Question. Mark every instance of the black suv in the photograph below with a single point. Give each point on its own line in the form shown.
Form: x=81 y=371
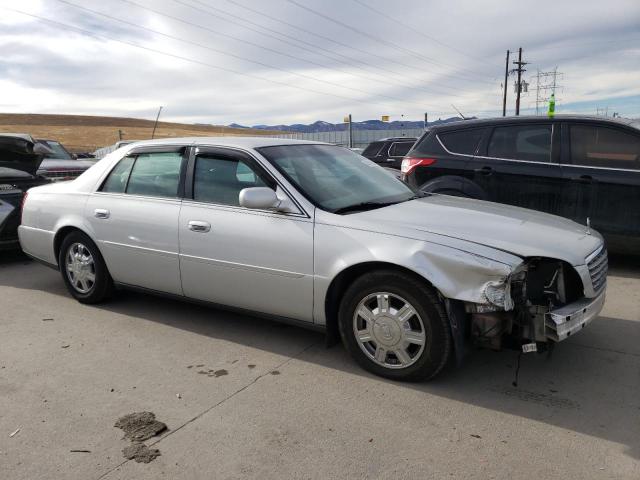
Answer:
x=389 y=152
x=583 y=168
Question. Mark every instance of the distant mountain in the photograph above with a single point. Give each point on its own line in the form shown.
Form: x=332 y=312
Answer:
x=321 y=126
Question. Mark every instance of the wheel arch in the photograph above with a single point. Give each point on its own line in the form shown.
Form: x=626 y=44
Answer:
x=346 y=277
x=456 y=183
x=65 y=230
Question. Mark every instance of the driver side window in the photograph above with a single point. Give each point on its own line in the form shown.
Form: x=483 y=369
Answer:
x=220 y=179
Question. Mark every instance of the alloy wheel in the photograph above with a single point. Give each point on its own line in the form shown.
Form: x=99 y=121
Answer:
x=389 y=330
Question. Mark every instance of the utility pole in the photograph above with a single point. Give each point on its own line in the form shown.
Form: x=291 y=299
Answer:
x=347 y=120
x=504 y=95
x=426 y=120
x=519 y=71
x=156 y=124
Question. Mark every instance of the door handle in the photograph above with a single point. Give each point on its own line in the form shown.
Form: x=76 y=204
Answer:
x=200 y=227
x=101 y=213
x=484 y=170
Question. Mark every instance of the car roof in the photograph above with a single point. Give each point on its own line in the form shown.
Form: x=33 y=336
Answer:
x=394 y=139
x=481 y=122
x=238 y=142
x=23 y=136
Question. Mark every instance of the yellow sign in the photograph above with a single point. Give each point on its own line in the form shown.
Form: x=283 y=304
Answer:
x=385 y=118
x=346 y=119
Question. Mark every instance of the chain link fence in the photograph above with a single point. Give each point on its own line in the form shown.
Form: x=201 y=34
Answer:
x=361 y=138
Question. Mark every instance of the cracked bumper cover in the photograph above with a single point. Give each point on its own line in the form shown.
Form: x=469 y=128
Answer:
x=567 y=320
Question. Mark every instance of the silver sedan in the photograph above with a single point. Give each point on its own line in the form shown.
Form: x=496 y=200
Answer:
x=315 y=234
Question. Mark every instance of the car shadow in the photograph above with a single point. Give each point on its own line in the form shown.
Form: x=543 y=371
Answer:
x=589 y=384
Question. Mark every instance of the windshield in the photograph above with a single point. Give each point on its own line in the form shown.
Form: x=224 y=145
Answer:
x=335 y=178
x=59 y=152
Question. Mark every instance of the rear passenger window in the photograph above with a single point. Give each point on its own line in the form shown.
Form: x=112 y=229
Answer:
x=604 y=147
x=462 y=141
x=400 y=149
x=523 y=142
x=156 y=174
x=117 y=180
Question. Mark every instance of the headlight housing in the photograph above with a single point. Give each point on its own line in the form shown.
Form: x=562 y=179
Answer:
x=499 y=294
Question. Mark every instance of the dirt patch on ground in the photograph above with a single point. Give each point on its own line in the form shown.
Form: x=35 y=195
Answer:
x=140 y=453
x=140 y=426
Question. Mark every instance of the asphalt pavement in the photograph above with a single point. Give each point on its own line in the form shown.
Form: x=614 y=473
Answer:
x=244 y=397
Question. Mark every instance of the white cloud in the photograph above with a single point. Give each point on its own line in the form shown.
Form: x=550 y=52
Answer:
x=48 y=68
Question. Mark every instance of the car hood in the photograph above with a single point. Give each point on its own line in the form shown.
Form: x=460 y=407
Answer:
x=519 y=231
x=16 y=153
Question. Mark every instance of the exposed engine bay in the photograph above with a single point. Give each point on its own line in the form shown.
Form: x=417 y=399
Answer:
x=542 y=302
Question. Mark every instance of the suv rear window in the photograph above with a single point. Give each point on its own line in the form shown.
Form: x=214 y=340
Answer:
x=604 y=147
x=400 y=149
x=462 y=141
x=521 y=142
x=373 y=149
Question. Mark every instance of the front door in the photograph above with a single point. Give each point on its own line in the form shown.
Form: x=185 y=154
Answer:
x=134 y=216
x=252 y=259
x=519 y=165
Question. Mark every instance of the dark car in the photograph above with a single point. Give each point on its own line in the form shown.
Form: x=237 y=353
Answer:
x=20 y=158
x=60 y=164
x=583 y=168
x=389 y=152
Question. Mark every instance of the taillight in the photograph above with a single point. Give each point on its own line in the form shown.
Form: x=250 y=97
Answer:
x=24 y=199
x=409 y=164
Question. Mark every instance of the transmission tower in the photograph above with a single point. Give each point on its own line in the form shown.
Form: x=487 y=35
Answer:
x=546 y=84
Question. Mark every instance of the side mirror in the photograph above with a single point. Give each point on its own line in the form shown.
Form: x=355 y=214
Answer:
x=263 y=198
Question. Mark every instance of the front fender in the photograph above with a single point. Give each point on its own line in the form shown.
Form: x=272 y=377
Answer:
x=456 y=274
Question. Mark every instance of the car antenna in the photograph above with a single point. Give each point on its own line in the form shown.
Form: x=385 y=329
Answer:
x=459 y=112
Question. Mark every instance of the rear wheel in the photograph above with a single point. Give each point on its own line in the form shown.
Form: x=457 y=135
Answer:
x=395 y=326
x=83 y=269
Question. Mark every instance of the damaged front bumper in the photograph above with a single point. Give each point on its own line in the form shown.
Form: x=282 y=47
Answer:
x=563 y=322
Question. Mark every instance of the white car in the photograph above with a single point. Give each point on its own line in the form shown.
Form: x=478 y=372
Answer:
x=316 y=234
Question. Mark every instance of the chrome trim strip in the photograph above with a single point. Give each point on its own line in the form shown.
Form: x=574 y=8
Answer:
x=241 y=266
x=250 y=211
x=163 y=253
x=494 y=158
x=529 y=161
x=594 y=254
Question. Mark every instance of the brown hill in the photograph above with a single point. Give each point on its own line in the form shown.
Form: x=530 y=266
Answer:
x=83 y=133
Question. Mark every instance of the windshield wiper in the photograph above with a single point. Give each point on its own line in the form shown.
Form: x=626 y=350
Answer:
x=363 y=206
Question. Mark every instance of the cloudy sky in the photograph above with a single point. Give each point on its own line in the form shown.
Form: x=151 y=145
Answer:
x=289 y=61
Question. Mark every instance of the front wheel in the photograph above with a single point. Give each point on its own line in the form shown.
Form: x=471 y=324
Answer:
x=83 y=269
x=395 y=326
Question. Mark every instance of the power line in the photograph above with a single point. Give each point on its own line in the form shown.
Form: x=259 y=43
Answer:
x=315 y=46
x=262 y=47
x=415 y=30
x=378 y=39
x=296 y=43
x=186 y=59
x=290 y=72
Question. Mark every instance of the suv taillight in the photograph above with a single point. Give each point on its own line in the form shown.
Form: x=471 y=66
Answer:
x=409 y=164
x=24 y=200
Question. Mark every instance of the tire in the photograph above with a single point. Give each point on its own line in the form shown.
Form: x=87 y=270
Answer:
x=86 y=277
x=392 y=329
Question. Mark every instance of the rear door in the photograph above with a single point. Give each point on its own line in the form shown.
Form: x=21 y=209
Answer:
x=604 y=171
x=134 y=218
x=519 y=165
